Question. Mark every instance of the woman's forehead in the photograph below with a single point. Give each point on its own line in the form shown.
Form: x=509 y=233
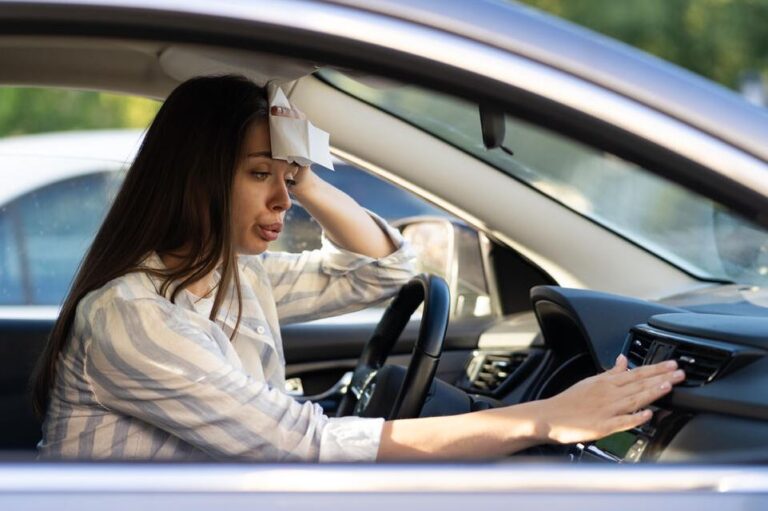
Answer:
x=257 y=139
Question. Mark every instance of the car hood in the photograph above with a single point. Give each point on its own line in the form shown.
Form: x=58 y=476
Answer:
x=735 y=299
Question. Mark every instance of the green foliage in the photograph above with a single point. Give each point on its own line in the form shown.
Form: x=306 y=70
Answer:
x=719 y=39
x=30 y=110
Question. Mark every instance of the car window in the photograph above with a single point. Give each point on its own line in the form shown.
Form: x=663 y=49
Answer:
x=694 y=233
x=49 y=215
x=61 y=184
x=61 y=153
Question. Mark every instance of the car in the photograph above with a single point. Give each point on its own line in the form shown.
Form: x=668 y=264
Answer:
x=607 y=202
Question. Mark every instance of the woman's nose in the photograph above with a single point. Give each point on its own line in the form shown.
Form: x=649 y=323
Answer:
x=281 y=199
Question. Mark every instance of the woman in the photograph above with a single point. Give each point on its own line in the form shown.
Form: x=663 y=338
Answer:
x=168 y=345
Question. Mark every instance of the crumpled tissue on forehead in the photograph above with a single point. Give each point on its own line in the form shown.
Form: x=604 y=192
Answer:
x=296 y=140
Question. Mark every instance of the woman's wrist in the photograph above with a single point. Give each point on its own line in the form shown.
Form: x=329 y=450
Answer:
x=541 y=414
x=520 y=426
x=307 y=186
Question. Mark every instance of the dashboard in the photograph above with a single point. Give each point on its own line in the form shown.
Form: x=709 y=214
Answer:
x=718 y=414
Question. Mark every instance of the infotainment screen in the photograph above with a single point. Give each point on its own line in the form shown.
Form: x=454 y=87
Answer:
x=626 y=446
x=617 y=444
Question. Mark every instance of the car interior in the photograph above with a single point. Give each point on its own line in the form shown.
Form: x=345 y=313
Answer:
x=539 y=294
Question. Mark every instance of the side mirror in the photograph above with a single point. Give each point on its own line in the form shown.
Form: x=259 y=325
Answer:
x=457 y=253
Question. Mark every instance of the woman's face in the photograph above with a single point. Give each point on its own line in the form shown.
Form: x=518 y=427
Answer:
x=259 y=192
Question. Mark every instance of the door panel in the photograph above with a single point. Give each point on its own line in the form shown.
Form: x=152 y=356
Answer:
x=21 y=342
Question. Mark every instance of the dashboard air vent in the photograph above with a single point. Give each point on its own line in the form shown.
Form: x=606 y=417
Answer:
x=701 y=361
x=701 y=364
x=486 y=371
x=639 y=347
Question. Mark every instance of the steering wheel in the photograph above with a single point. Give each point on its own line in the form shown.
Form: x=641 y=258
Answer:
x=374 y=385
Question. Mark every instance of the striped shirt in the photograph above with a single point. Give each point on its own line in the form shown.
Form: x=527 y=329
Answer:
x=144 y=378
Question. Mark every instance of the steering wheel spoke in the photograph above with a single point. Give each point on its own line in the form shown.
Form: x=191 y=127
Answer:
x=414 y=385
x=360 y=378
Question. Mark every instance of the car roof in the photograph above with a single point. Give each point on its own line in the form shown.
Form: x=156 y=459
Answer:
x=38 y=160
x=118 y=145
x=594 y=57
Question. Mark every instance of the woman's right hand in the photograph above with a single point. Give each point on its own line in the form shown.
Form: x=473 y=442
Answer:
x=605 y=403
x=591 y=409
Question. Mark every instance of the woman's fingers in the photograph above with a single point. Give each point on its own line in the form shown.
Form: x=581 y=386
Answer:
x=645 y=392
x=628 y=421
x=612 y=401
x=287 y=112
x=651 y=382
x=643 y=372
x=642 y=386
x=621 y=365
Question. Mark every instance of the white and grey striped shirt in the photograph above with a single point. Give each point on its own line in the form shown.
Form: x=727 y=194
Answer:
x=143 y=378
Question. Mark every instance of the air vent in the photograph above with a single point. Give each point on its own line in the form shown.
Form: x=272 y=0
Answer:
x=487 y=371
x=702 y=363
x=639 y=347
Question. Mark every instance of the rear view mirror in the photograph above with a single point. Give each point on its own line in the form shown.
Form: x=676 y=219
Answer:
x=453 y=251
x=492 y=126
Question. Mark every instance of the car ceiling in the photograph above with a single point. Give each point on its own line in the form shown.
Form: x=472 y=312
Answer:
x=134 y=67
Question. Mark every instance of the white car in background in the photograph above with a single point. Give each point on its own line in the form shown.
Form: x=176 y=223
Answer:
x=50 y=210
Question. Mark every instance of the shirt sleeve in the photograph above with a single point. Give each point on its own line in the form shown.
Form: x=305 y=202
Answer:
x=150 y=362
x=331 y=281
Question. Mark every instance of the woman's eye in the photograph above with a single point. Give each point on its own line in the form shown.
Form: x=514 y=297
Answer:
x=290 y=183
x=259 y=175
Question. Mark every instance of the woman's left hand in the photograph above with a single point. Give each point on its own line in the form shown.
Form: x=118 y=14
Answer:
x=343 y=220
x=304 y=177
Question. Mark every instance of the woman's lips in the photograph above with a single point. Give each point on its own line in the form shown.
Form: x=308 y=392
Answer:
x=269 y=232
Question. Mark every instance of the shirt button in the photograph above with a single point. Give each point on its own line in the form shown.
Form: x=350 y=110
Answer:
x=260 y=330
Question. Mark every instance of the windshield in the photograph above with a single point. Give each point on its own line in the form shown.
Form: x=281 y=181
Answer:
x=693 y=233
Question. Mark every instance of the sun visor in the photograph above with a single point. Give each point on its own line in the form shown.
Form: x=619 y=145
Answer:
x=185 y=62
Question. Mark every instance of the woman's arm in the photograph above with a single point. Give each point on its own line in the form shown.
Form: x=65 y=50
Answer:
x=362 y=261
x=593 y=408
x=343 y=220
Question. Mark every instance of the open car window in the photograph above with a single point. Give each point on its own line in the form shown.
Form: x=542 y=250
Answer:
x=59 y=184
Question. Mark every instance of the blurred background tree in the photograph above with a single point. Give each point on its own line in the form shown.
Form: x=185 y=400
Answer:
x=32 y=110
x=719 y=39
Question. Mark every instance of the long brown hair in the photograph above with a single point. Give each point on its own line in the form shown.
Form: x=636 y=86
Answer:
x=177 y=193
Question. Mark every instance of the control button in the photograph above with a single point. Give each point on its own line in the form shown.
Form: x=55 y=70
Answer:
x=260 y=330
x=636 y=451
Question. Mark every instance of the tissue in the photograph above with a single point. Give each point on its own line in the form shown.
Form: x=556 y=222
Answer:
x=296 y=140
